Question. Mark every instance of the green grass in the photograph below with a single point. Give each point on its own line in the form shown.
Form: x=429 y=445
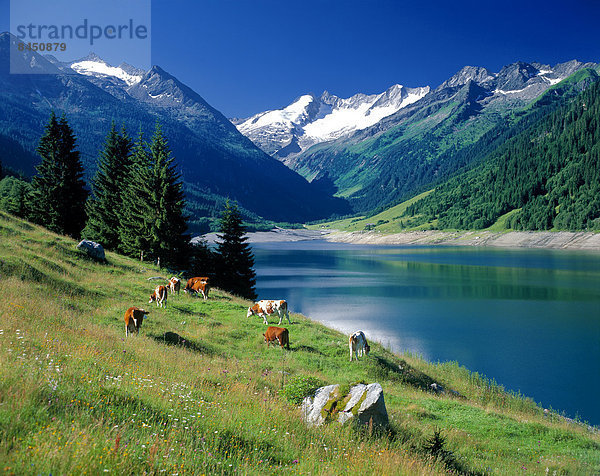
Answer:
x=198 y=391
x=390 y=220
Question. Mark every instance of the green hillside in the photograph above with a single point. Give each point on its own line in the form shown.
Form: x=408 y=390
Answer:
x=550 y=172
x=429 y=142
x=198 y=392
x=540 y=170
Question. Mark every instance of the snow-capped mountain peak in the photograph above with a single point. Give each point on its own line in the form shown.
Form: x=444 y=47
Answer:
x=93 y=65
x=309 y=120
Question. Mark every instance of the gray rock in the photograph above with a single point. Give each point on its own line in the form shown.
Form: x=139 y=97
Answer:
x=355 y=395
x=363 y=402
x=373 y=407
x=94 y=250
x=312 y=407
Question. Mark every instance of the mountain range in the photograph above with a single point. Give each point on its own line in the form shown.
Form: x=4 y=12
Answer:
x=318 y=157
x=310 y=120
x=215 y=160
x=414 y=144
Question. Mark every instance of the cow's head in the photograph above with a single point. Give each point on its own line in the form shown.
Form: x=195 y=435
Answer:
x=250 y=312
x=367 y=349
x=152 y=297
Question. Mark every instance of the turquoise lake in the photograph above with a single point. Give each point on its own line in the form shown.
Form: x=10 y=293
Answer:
x=529 y=319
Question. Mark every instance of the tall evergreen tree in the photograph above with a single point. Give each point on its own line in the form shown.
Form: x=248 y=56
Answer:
x=59 y=194
x=153 y=208
x=168 y=227
x=133 y=230
x=235 y=261
x=104 y=208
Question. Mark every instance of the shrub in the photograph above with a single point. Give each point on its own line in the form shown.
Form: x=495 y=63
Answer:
x=299 y=387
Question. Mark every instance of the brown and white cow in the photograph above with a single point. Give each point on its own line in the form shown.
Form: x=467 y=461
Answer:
x=358 y=345
x=266 y=308
x=174 y=284
x=201 y=287
x=192 y=281
x=279 y=334
x=133 y=320
x=160 y=296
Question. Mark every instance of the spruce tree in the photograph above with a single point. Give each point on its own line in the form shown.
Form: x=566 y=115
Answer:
x=59 y=194
x=133 y=230
x=104 y=208
x=235 y=261
x=168 y=238
x=153 y=205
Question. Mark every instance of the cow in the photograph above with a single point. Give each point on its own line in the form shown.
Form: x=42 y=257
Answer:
x=192 y=281
x=279 y=334
x=358 y=345
x=265 y=308
x=133 y=319
x=160 y=296
x=201 y=287
x=174 y=285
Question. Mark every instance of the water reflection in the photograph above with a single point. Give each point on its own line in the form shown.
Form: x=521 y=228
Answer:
x=528 y=318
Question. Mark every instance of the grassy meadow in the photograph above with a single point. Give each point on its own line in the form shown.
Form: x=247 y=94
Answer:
x=198 y=392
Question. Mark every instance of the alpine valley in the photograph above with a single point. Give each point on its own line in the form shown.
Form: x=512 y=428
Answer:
x=216 y=161
x=379 y=150
x=323 y=157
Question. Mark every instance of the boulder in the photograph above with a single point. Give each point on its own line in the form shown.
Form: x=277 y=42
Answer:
x=312 y=408
x=363 y=404
x=94 y=250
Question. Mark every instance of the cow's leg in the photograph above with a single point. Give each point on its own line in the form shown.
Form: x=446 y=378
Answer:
x=264 y=316
x=280 y=318
x=350 y=345
x=126 y=330
x=287 y=314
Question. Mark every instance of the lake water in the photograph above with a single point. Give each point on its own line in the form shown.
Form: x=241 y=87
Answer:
x=530 y=319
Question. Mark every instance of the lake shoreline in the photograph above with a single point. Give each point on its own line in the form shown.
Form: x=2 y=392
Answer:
x=587 y=241
x=580 y=240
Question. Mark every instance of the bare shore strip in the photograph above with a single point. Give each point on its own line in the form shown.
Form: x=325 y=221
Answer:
x=513 y=239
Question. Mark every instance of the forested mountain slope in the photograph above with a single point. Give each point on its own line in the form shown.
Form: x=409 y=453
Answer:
x=548 y=176
x=422 y=144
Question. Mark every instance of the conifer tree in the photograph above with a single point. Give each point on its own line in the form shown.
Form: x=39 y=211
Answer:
x=59 y=194
x=154 y=222
x=168 y=238
x=235 y=261
x=104 y=208
x=133 y=228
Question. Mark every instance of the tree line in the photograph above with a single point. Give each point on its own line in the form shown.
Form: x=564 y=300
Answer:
x=135 y=205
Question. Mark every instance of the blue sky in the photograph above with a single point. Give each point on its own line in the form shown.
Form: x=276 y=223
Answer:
x=245 y=56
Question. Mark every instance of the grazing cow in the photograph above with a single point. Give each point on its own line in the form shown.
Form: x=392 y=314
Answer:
x=265 y=308
x=201 y=287
x=192 y=281
x=279 y=334
x=358 y=345
x=133 y=320
x=160 y=296
x=174 y=285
